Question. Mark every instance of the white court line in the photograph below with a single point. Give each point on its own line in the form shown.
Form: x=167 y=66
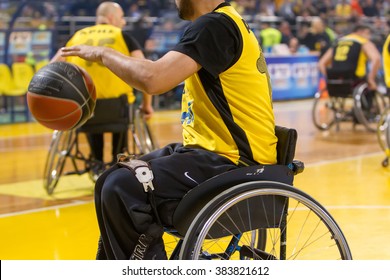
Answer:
x=324 y=162
x=50 y=208
x=76 y=203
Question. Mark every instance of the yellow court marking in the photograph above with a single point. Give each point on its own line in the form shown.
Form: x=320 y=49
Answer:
x=355 y=191
x=70 y=186
x=17 y=130
x=65 y=233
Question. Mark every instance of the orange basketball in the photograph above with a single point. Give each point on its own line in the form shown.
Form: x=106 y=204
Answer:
x=61 y=96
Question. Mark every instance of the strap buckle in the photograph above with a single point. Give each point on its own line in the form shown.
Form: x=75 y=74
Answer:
x=140 y=168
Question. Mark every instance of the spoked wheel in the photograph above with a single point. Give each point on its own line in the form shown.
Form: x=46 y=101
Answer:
x=368 y=107
x=142 y=135
x=59 y=149
x=323 y=112
x=297 y=226
x=383 y=135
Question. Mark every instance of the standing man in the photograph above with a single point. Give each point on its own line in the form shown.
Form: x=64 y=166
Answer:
x=107 y=32
x=227 y=120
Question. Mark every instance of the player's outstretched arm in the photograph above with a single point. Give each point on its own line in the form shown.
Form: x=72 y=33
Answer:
x=153 y=77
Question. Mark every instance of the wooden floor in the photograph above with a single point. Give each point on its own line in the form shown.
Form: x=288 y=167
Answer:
x=343 y=172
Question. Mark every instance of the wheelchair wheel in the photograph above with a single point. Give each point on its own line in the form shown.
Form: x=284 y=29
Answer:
x=368 y=109
x=383 y=135
x=323 y=112
x=297 y=226
x=383 y=130
x=55 y=162
x=142 y=136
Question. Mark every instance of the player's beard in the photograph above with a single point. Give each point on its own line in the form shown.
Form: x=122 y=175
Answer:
x=185 y=9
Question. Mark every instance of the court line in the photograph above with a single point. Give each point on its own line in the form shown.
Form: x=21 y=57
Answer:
x=328 y=207
x=331 y=161
x=50 y=208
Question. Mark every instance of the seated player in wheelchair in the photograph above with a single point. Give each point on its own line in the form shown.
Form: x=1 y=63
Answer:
x=348 y=59
x=227 y=120
x=110 y=103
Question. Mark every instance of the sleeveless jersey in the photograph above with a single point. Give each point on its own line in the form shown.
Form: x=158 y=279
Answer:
x=230 y=112
x=107 y=84
x=349 y=57
x=386 y=61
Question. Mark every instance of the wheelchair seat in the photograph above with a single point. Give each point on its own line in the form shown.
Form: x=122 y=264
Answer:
x=198 y=197
x=340 y=84
x=110 y=115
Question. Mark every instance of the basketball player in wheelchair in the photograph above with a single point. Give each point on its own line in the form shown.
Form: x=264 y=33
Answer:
x=115 y=110
x=345 y=68
x=228 y=126
x=115 y=98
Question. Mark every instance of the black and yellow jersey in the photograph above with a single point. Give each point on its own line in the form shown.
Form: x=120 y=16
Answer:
x=227 y=104
x=348 y=55
x=386 y=61
x=108 y=85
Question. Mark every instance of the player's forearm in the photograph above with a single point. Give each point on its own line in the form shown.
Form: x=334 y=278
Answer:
x=138 y=73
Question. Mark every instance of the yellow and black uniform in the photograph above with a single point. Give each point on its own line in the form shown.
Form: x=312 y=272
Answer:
x=226 y=106
x=227 y=121
x=386 y=62
x=107 y=84
x=348 y=56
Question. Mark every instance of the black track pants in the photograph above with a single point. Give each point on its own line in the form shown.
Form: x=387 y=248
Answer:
x=122 y=207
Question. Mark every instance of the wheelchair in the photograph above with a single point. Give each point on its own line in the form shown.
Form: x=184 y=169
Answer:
x=383 y=135
x=347 y=100
x=65 y=145
x=255 y=213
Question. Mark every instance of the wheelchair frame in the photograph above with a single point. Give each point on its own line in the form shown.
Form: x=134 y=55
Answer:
x=255 y=213
x=383 y=135
x=331 y=109
x=65 y=146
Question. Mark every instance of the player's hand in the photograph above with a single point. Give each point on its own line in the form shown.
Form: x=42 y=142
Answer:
x=90 y=53
x=147 y=111
x=372 y=84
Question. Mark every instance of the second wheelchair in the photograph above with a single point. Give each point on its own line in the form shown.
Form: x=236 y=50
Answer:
x=65 y=145
x=345 y=100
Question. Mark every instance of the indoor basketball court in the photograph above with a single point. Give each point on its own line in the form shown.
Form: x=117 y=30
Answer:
x=343 y=172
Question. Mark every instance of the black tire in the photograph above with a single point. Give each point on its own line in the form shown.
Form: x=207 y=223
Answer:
x=311 y=232
x=59 y=149
x=368 y=110
x=323 y=112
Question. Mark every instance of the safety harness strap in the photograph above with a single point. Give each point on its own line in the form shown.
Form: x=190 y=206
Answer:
x=143 y=172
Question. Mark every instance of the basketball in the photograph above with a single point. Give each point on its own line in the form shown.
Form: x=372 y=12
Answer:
x=61 y=96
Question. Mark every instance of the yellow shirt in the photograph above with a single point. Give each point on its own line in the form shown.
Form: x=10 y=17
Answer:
x=386 y=61
x=107 y=84
x=232 y=114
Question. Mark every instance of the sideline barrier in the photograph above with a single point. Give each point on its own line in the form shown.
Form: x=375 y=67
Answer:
x=293 y=76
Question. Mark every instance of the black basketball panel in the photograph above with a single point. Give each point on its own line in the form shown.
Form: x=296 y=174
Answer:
x=62 y=80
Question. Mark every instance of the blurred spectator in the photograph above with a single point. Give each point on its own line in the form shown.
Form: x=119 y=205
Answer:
x=286 y=11
x=356 y=9
x=309 y=8
x=269 y=36
x=134 y=11
x=343 y=14
x=326 y=8
x=288 y=37
x=266 y=8
x=369 y=8
x=142 y=30
x=382 y=30
x=317 y=40
x=343 y=9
